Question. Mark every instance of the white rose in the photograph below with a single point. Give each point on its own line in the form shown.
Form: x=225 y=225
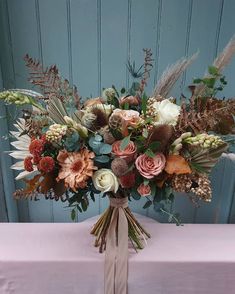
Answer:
x=104 y=180
x=167 y=112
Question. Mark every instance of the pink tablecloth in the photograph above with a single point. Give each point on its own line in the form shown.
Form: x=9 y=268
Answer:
x=60 y=259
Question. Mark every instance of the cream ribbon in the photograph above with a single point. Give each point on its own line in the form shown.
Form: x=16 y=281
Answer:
x=116 y=256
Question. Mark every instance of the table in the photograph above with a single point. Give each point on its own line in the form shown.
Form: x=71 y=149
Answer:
x=60 y=259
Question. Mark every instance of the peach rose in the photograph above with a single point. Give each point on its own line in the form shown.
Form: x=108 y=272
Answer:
x=131 y=100
x=130 y=118
x=150 y=167
x=128 y=153
x=144 y=190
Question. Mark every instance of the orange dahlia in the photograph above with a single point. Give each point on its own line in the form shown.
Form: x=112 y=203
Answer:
x=76 y=168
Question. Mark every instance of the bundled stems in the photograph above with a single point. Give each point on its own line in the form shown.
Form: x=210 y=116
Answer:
x=137 y=234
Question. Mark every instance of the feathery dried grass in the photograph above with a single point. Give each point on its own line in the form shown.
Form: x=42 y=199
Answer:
x=171 y=75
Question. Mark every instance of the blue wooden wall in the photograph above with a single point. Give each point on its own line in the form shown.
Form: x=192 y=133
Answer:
x=90 y=41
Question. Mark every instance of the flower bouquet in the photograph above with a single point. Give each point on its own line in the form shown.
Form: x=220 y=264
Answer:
x=123 y=145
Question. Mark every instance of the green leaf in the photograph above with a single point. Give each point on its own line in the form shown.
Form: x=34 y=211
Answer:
x=146 y=182
x=145 y=133
x=197 y=81
x=102 y=158
x=155 y=145
x=79 y=208
x=144 y=103
x=135 y=194
x=126 y=106
x=147 y=204
x=84 y=204
x=213 y=70
x=73 y=214
x=125 y=142
x=105 y=149
x=209 y=82
x=92 y=196
x=123 y=90
x=150 y=153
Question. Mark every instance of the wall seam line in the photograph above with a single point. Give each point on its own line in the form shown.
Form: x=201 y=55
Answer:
x=158 y=39
x=187 y=39
x=219 y=22
x=70 y=57
x=10 y=43
x=39 y=33
x=128 y=41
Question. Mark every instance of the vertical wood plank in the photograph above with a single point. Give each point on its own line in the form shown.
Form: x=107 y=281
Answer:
x=24 y=32
x=85 y=46
x=142 y=33
x=200 y=40
x=225 y=33
x=223 y=183
x=173 y=35
x=114 y=23
x=54 y=45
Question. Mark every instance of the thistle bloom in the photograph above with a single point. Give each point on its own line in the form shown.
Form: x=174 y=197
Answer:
x=22 y=145
x=76 y=168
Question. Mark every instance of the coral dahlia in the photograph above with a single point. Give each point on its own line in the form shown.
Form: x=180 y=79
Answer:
x=76 y=168
x=46 y=164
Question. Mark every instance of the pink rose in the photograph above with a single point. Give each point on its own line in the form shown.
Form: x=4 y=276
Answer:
x=150 y=167
x=144 y=190
x=130 y=118
x=128 y=153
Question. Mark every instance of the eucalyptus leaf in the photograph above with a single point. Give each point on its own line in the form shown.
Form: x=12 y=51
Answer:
x=125 y=142
x=105 y=149
x=98 y=138
x=102 y=158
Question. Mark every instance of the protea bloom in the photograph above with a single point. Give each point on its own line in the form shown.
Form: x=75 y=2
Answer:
x=22 y=145
x=76 y=168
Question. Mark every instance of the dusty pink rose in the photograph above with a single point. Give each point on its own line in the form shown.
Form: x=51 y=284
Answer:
x=144 y=190
x=130 y=118
x=131 y=100
x=128 y=153
x=150 y=167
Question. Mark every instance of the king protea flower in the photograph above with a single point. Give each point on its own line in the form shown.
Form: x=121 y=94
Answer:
x=22 y=150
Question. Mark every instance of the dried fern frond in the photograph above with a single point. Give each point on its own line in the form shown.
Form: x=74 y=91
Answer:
x=57 y=111
x=221 y=61
x=171 y=75
x=50 y=82
x=148 y=65
x=204 y=116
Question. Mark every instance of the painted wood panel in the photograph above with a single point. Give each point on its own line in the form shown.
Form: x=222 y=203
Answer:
x=91 y=41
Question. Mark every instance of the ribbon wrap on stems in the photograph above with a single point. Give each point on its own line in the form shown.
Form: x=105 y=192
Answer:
x=116 y=256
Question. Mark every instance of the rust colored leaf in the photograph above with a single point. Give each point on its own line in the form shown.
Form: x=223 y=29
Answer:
x=176 y=164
